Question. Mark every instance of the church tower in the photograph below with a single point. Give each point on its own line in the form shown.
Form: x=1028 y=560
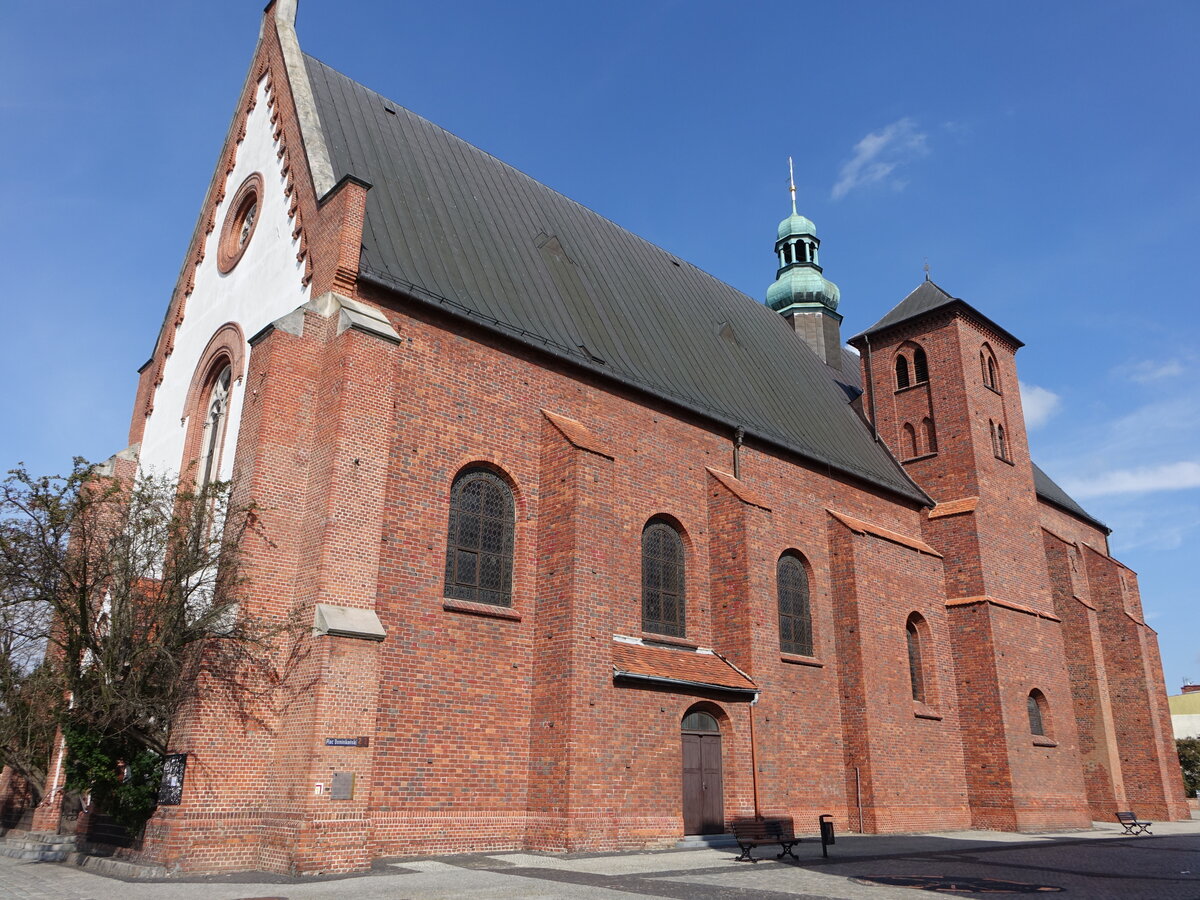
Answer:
x=801 y=293
x=941 y=391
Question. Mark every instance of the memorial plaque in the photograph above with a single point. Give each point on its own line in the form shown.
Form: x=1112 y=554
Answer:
x=170 y=790
x=343 y=786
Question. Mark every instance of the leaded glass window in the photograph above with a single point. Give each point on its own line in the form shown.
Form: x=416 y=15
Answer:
x=214 y=428
x=1036 y=724
x=662 y=580
x=916 y=672
x=479 y=545
x=795 y=613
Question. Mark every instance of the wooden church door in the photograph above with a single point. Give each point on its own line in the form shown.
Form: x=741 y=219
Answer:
x=703 y=807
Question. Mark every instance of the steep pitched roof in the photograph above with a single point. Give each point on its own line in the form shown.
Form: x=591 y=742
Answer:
x=457 y=228
x=926 y=298
x=1049 y=491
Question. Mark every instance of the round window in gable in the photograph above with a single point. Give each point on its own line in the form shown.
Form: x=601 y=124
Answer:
x=239 y=223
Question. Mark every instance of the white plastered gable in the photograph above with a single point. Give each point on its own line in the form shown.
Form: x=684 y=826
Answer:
x=266 y=283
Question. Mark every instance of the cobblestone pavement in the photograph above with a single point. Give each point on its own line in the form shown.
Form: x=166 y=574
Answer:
x=1094 y=865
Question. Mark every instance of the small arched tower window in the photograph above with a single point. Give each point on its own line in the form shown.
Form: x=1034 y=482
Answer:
x=479 y=545
x=987 y=362
x=916 y=665
x=1001 y=446
x=991 y=367
x=910 y=441
x=662 y=579
x=1038 y=717
x=795 y=611
x=215 y=421
x=930 y=435
x=902 y=380
x=920 y=366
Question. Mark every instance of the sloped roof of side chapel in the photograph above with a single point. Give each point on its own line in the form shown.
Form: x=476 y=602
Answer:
x=456 y=228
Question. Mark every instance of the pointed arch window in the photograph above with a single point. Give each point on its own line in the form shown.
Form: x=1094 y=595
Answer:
x=795 y=609
x=920 y=366
x=902 y=377
x=1038 y=713
x=663 y=576
x=916 y=665
x=910 y=441
x=1001 y=444
x=213 y=438
x=479 y=544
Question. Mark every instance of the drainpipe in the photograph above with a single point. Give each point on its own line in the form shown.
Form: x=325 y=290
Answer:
x=739 y=437
x=753 y=759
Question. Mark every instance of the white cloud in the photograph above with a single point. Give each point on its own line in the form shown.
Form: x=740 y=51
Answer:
x=879 y=154
x=1152 y=370
x=1166 y=477
x=1039 y=404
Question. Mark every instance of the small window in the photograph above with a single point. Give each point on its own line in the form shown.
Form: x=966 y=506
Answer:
x=787 y=253
x=1036 y=705
x=987 y=363
x=700 y=721
x=479 y=545
x=1001 y=445
x=795 y=611
x=910 y=441
x=916 y=666
x=662 y=579
x=920 y=366
x=930 y=435
x=991 y=367
x=901 y=373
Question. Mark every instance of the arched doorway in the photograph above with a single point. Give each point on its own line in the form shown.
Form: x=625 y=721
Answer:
x=703 y=808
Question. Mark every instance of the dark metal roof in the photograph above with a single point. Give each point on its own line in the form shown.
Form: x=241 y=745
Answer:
x=1049 y=491
x=927 y=298
x=455 y=227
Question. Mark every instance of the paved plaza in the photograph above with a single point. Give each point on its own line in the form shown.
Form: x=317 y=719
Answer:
x=1094 y=865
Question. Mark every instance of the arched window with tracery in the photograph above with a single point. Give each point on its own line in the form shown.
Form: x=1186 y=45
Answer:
x=795 y=609
x=479 y=542
x=216 y=421
x=663 y=577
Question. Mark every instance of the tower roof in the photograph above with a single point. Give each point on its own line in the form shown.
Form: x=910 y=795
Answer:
x=796 y=225
x=456 y=229
x=927 y=298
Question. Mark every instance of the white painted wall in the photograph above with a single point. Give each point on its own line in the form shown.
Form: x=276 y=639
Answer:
x=264 y=285
x=1186 y=725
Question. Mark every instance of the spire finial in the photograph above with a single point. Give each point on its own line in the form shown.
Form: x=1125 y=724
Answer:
x=792 y=185
x=926 y=268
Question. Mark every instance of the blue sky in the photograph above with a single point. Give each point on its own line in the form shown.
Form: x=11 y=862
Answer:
x=1042 y=157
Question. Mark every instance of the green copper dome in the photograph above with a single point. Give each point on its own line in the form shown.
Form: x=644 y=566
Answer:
x=796 y=225
x=802 y=284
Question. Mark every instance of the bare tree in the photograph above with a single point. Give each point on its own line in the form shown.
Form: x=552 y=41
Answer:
x=132 y=589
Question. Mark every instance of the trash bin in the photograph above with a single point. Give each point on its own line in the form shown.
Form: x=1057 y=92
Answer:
x=827 y=836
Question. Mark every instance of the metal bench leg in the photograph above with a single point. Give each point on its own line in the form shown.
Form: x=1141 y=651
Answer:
x=787 y=850
x=746 y=857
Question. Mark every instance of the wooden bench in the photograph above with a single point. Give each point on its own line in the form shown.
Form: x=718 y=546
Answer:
x=750 y=832
x=1132 y=824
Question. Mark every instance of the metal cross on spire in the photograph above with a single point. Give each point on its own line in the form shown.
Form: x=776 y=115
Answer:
x=792 y=185
x=926 y=268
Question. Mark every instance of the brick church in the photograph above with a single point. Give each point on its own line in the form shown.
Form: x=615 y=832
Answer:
x=596 y=550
